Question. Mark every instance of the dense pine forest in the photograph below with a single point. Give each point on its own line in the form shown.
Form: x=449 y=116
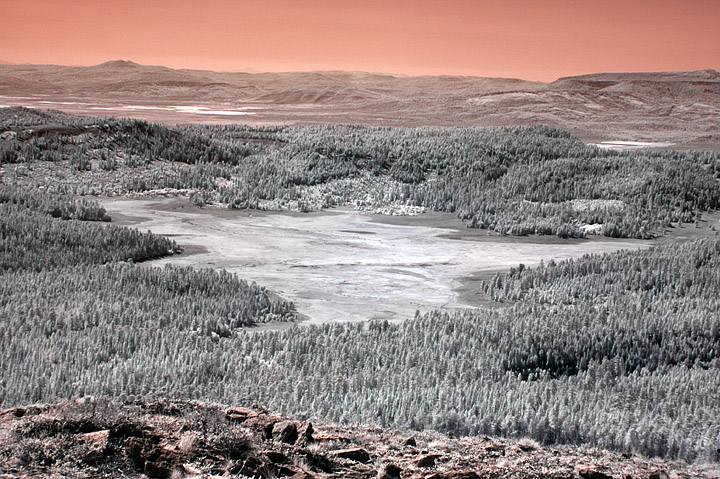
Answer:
x=35 y=237
x=514 y=180
x=620 y=351
x=621 y=367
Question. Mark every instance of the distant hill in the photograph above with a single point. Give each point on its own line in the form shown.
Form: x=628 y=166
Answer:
x=682 y=108
x=133 y=81
x=3 y=62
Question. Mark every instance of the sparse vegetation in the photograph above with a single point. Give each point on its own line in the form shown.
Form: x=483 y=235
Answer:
x=99 y=438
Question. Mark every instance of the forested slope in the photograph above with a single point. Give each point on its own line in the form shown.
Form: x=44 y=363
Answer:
x=514 y=180
x=621 y=367
x=40 y=231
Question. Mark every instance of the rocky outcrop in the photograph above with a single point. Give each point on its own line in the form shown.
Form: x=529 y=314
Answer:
x=355 y=454
x=161 y=439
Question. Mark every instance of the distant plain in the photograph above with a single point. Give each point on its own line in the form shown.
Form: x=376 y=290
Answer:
x=679 y=110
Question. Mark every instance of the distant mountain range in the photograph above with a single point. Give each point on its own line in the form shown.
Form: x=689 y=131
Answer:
x=682 y=108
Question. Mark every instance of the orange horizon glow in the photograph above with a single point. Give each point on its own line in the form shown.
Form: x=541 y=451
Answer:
x=533 y=39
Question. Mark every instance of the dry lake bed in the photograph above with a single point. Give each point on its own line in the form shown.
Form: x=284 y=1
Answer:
x=343 y=265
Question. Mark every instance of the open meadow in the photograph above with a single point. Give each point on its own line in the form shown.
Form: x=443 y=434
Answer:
x=340 y=265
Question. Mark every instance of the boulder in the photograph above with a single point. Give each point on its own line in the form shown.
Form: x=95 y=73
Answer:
x=16 y=412
x=264 y=424
x=427 y=460
x=151 y=458
x=306 y=435
x=250 y=467
x=318 y=462
x=390 y=471
x=240 y=414
x=356 y=454
x=95 y=441
x=495 y=450
x=285 y=431
x=276 y=457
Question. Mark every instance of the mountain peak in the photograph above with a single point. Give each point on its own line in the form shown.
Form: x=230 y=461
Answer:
x=119 y=63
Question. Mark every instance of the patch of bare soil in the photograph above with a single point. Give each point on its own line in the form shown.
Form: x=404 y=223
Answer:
x=708 y=225
x=97 y=438
x=470 y=289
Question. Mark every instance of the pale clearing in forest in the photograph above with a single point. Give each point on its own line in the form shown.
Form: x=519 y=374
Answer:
x=341 y=265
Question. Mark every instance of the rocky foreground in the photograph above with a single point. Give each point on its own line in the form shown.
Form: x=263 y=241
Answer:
x=166 y=439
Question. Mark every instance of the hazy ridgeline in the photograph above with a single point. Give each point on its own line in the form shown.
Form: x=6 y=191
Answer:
x=515 y=180
x=619 y=351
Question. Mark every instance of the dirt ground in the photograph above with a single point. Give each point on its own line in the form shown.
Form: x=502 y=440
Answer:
x=342 y=265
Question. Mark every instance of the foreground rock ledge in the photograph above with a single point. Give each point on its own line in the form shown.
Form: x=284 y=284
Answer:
x=99 y=438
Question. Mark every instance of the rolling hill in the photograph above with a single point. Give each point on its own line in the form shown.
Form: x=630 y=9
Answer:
x=677 y=108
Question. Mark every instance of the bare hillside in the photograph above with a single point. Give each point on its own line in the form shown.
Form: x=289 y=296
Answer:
x=677 y=109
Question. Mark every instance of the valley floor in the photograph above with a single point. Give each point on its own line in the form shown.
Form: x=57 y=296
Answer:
x=341 y=265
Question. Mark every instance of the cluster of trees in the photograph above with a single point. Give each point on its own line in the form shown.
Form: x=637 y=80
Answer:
x=514 y=180
x=647 y=310
x=54 y=136
x=518 y=180
x=90 y=298
x=34 y=240
x=55 y=205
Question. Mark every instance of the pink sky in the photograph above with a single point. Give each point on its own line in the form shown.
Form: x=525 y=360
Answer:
x=532 y=39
